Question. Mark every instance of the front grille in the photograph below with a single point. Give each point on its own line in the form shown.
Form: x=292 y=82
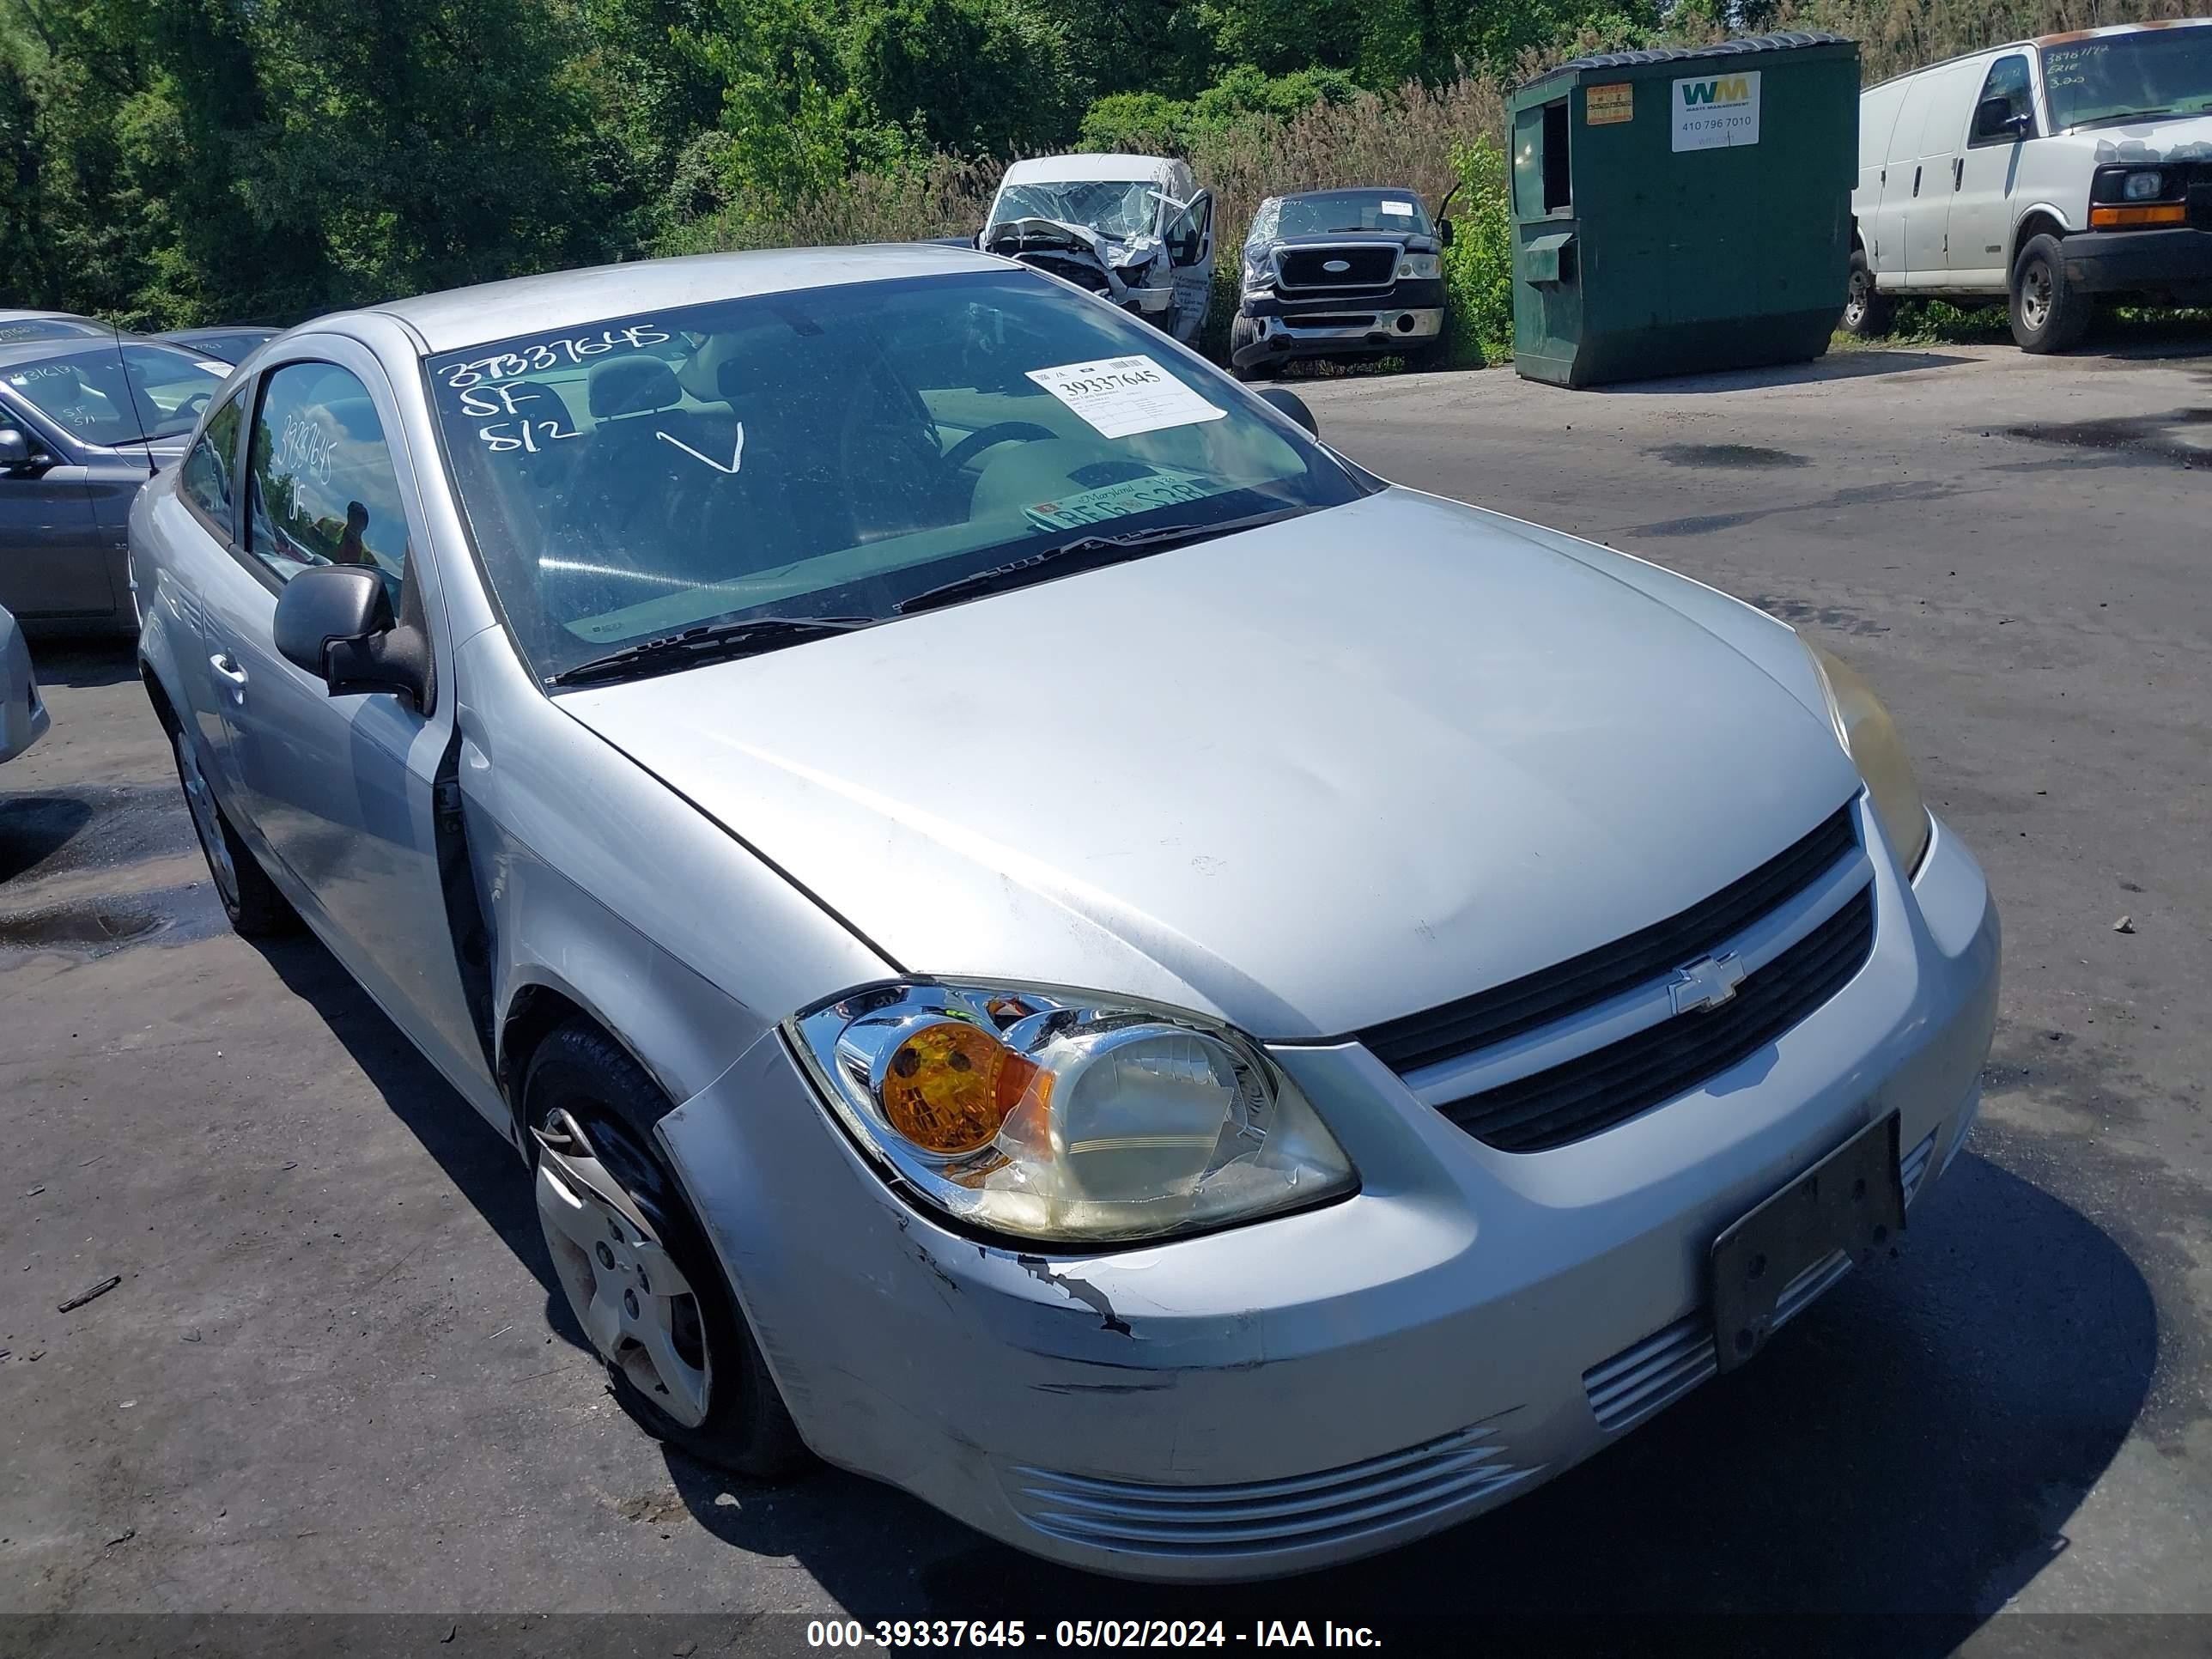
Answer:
x=1081 y=272
x=1657 y=1371
x=1261 y=1516
x=1609 y=1086
x=1552 y=994
x=1366 y=267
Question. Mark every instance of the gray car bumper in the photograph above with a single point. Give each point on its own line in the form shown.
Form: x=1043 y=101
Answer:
x=23 y=717
x=1353 y=331
x=1318 y=1387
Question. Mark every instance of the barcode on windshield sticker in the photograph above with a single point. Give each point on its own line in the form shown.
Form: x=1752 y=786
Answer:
x=1120 y=397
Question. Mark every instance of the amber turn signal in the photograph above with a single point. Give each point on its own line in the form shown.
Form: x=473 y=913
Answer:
x=2121 y=218
x=950 y=1085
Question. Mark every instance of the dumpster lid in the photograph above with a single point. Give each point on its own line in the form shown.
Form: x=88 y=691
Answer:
x=1784 y=41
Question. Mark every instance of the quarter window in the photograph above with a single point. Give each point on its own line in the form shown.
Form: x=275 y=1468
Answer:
x=321 y=488
x=2007 y=84
x=207 y=472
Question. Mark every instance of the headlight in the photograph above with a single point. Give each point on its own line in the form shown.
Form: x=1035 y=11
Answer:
x=2143 y=186
x=1065 y=1117
x=1422 y=266
x=1869 y=737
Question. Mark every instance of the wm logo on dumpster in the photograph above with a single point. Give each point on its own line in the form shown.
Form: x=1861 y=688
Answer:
x=1726 y=89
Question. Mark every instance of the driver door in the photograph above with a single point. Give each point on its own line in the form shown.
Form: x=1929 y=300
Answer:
x=340 y=793
x=1190 y=243
x=53 y=567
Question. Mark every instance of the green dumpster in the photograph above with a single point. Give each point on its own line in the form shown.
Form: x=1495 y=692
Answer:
x=1678 y=211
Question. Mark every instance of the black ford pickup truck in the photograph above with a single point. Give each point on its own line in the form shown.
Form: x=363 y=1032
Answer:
x=1340 y=273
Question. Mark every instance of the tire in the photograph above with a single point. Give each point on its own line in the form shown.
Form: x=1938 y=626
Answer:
x=579 y=1071
x=1868 y=312
x=2049 y=314
x=256 y=909
x=1424 y=360
x=1241 y=335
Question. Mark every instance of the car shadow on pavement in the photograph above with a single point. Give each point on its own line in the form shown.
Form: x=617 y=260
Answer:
x=68 y=661
x=482 y=1166
x=1909 y=1451
x=1850 y=365
x=33 y=828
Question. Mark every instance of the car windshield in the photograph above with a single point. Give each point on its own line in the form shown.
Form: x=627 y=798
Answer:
x=2115 y=77
x=1353 y=209
x=1116 y=208
x=835 y=453
x=88 y=390
x=18 y=329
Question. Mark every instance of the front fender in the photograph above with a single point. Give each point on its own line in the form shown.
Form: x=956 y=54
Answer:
x=600 y=884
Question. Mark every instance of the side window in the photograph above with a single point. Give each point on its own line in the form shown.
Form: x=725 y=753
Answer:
x=320 y=486
x=2003 y=100
x=206 y=478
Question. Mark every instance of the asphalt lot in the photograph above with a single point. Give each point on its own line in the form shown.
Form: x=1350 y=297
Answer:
x=333 y=1378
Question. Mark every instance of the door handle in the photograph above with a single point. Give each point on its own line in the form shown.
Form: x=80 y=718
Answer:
x=222 y=665
x=1958 y=171
x=1916 y=181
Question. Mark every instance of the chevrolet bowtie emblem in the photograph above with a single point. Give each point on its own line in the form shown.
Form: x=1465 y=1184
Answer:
x=1705 y=983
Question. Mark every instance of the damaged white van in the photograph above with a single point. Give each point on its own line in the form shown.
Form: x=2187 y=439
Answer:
x=2056 y=173
x=1135 y=228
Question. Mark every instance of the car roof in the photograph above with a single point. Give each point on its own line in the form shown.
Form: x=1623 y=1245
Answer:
x=464 y=317
x=1113 y=167
x=2064 y=38
x=13 y=352
x=1392 y=190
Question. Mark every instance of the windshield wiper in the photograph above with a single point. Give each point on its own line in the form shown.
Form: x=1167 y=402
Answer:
x=2127 y=115
x=708 y=642
x=1089 y=552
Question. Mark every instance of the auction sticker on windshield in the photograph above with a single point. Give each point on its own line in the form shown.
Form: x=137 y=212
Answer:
x=1123 y=396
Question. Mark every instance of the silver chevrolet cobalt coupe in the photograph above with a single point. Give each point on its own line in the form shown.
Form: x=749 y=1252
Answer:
x=1044 y=937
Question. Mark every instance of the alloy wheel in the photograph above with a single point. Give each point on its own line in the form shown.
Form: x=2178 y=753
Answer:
x=633 y=1301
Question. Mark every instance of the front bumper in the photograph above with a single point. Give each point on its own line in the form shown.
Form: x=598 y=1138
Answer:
x=2175 y=263
x=1365 y=329
x=23 y=716
x=1311 y=1389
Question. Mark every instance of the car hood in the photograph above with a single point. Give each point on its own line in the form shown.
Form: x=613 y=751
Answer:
x=2161 y=139
x=1308 y=777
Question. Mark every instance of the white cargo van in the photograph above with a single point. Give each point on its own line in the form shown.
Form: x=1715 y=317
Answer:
x=2056 y=172
x=1136 y=229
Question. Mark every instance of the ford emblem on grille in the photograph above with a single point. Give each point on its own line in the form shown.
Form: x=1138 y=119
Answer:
x=1705 y=983
x=1338 y=266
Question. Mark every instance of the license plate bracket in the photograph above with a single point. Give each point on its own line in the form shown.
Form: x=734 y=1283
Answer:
x=1852 y=1201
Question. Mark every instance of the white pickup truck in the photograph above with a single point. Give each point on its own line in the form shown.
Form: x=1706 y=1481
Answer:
x=2055 y=173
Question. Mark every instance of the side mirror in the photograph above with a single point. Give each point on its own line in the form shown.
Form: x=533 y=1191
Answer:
x=1292 y=405
x=15 y=449
x=335 y=621
x=1994 y=118
x=1443 y=233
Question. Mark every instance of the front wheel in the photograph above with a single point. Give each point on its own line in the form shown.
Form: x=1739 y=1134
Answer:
x=2049 y=314
x=1866 y=310
x=641 y=1277
x=1243 y=333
